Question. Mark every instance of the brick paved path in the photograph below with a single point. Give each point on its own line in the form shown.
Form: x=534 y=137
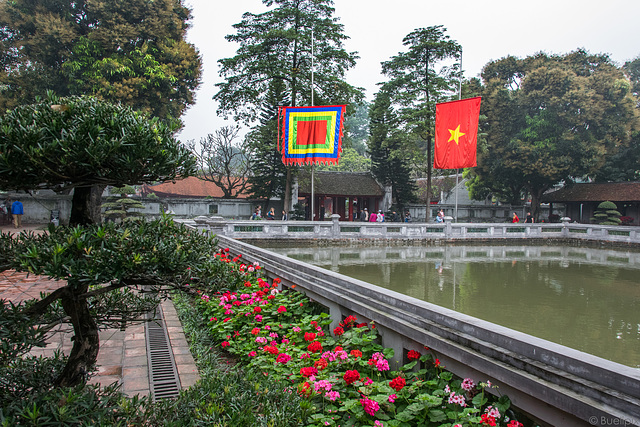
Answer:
x=123 y=354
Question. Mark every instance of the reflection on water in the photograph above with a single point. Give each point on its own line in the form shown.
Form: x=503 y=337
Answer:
x=587 y=299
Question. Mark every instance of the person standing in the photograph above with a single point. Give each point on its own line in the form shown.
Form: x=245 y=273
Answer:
x=364 y=215
x=17 y=210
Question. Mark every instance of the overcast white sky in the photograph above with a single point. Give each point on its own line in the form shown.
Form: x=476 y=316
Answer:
x=486 y=30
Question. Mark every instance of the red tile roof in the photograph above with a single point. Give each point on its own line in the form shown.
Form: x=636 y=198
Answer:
x=191 y=187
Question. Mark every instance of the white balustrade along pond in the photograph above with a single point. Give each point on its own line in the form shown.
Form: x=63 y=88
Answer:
x=584 y=298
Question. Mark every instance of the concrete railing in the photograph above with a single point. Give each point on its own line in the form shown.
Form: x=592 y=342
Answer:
x=556 y=385
x=413 y=231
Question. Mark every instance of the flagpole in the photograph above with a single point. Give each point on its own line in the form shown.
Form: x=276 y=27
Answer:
x=459 y=98
x=313 y=165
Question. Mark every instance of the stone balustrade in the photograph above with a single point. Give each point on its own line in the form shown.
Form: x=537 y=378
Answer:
x=336 y=229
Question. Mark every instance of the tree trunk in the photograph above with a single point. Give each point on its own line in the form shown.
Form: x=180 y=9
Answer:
x=85 y=205
x=86 y=341
x=287 y=192
x=536 y=195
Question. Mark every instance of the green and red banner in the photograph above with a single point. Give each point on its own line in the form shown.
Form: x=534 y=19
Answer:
x=311 y=134
x=456 y=134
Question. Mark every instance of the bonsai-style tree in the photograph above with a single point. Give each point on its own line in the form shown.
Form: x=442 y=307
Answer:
x=81 y=142
x=119 y=207
x=607 y=214
x=101 y=264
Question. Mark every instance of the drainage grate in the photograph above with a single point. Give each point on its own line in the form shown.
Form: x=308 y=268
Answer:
x=164 y=381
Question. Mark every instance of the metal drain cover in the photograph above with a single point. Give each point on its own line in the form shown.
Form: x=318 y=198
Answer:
x=164 y=381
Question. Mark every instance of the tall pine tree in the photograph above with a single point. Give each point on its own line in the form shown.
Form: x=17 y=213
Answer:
x=268 y=178
x=389 y=155
x=276 y=45
x=415 y=86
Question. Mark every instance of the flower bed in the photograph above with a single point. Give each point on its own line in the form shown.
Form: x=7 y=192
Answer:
x=345 y=375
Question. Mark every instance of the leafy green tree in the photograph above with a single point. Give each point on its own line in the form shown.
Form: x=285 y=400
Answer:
x=77 y=143
x=223 y=161
x=356 y=129
x=129 y=51
x=268 y=172
x=552 y=118
x=276 y=45
x=415 y=86
x=632 y=69
x=390 y=161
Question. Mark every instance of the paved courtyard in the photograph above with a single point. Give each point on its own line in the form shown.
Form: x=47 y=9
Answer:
x=123 y=353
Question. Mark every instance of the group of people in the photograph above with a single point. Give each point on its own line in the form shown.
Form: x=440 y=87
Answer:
x=527 y=220
x=271 y=215
x=13 y=210
x=365 y=216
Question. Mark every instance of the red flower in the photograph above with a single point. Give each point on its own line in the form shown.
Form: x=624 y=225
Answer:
x=308 y=336
x=338 y=331
x=304 y=389
x=321 y=364
x=413 y=355
x=397 y=383
x=488 y=420
x=351 y=376
x=350 y=320
x=225 y=344
x=356 y=353
x=271 y=349
x=308 y=371
x=315 y=347
x=282 y=309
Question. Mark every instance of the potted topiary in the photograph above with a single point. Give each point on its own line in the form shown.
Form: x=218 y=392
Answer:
x=607 y=214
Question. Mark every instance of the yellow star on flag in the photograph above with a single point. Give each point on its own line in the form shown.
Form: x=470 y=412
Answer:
x=455 y=134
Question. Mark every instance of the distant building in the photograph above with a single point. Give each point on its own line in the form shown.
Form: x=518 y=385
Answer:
x=581 y=200
x=342 y=193
x=189 y=188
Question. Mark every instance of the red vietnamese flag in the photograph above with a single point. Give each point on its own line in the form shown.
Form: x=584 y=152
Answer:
x=456 y=134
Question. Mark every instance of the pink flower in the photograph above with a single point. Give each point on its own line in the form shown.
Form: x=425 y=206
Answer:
x=382 y=365
x=322 y=385
x=468 y=384
x=370 y=406
x=457 y=399
x=283 y=358
x=332 y=395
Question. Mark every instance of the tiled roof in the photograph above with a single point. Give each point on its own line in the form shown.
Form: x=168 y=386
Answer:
x=340 y=184
x=612 y=191
x=191 y=187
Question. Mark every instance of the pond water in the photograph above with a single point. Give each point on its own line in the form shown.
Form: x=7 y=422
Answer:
x=587 y=299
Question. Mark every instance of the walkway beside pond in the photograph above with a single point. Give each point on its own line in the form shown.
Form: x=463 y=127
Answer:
x=123 y=353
